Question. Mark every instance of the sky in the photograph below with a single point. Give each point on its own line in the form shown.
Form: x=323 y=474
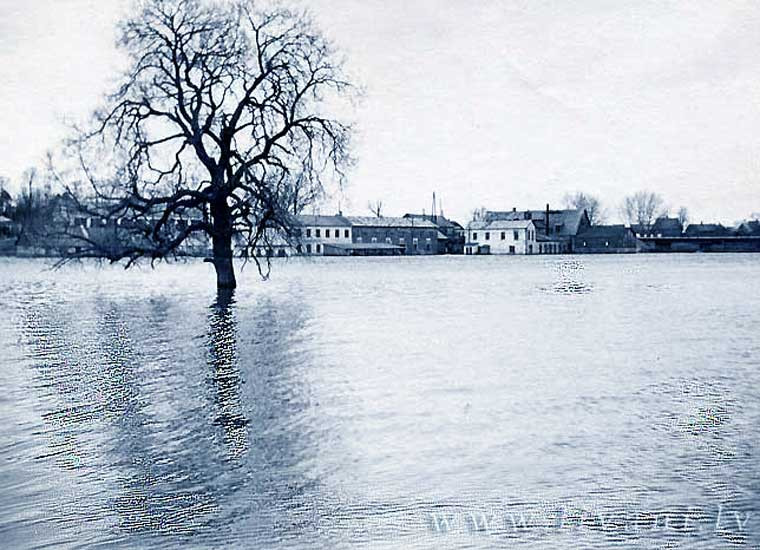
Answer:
x=489 y=103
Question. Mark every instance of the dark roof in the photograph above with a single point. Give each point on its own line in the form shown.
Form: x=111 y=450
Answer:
x=706 y=230
x=667 y=227
x=751 y=227
x=322 y=221
x=496 y=225
x=440 y=221
x=568 y=220
x=5 y=196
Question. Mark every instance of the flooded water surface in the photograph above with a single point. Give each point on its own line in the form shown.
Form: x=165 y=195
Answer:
x=448 y=402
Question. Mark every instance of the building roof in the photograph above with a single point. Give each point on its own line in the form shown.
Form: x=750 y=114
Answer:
x=322 y=221
x=706 y=230
x=440 y=221
x=604 y=231
x=568 y=220
x=668 y=227
x=664 y=227
x=751 y=227
x=495 y=225
x=386 y=221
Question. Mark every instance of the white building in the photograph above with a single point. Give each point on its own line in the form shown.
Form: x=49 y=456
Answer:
x=500 y=237
x=314 y=233
x=317 y=231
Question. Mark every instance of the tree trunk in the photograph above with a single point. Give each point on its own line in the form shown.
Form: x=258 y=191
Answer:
x=222 y=245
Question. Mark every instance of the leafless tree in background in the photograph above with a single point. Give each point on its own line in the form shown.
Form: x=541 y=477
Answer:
x=642 y=208
x=222 y=121
x=479 y=214
x=376 y=207
x=590 y=203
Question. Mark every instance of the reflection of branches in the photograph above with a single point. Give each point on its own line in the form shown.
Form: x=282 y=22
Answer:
x=223 y=358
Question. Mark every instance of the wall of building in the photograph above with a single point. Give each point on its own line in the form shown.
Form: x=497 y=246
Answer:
x=502 y=241
x=415 y=240
x=313 y=238
x=606 y=245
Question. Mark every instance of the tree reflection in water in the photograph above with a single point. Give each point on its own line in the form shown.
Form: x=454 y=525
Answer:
x=225 y=375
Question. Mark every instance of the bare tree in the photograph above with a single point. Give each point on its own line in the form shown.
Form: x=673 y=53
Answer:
x=683 y=216
x=479 y=214
x=589 y=203
x=220 y=129
x=643 y=208
x=376 y=207
x=33 y=205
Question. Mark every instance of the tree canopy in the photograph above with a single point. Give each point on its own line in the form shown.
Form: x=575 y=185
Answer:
x=224 y=120
x=643 y=208
x=591 y=204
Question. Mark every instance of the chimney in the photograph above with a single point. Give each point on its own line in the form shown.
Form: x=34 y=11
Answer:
x=514 y=209
x=546 y=220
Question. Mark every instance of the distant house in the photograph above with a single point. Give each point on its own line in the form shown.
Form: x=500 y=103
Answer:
x=662 y=227
x=317 y=232
x=410 y=236
x=707 y=230
x=451 y=239
x=500 y=237
x=313 y=236
x=555 y=228
x=748 y=229
x=606 y=239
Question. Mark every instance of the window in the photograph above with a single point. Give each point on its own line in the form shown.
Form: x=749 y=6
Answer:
x=337 y=233
x=584 y=243
x=359 y=239
x=374 y=239
x=401 y=240
x=308 y=232
x=308 y=249
x=327 y=233
x=475 y=236
x=511 y=249
x=319 y=247
x=388 y=240
x=318 y=234
x=606 y=243
x=415 y=242
x=488 y=235
x=515 y=235
x=345 y=233
x=503 y=235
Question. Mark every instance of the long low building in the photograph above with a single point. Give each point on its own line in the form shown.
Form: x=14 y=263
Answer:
x=413 y=236
x=606 y=239
x=340 y=235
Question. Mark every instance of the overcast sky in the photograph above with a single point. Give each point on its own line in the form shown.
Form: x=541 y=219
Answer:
x=495 y=103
